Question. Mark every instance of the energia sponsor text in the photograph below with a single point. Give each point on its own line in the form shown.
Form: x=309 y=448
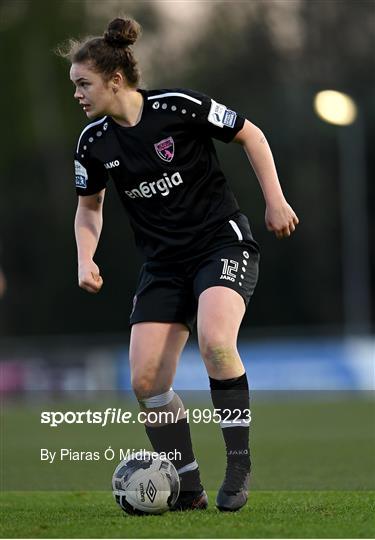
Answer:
x=162 y=186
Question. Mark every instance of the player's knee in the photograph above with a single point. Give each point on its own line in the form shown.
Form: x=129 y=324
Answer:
x=217 y=352
x=143 y=386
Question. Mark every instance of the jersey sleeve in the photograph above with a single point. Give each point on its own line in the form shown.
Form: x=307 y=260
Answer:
x=218 y=121
x=90 y=175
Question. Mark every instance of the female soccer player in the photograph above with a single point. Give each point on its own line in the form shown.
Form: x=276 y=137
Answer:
x=201 y=259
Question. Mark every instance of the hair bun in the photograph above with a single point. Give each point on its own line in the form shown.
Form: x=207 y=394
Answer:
x=122 y=33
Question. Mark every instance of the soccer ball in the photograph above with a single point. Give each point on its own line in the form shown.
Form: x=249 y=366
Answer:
x=145 y=485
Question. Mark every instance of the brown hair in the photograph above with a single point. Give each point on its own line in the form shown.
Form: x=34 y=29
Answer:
x=108 y=53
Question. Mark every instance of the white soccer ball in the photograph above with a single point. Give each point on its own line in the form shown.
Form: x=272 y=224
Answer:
x=145 y=485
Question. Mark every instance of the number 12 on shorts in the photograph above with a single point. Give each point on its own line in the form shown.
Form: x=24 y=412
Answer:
x=230 y=269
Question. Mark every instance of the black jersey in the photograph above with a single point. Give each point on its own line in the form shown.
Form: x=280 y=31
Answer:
x=165 y=169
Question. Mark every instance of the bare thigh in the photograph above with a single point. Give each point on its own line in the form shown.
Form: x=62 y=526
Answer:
x=220 y=313
x=155 y=349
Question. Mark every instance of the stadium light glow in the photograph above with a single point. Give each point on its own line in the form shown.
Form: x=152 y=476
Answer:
x=341 y=110
x=335 y=107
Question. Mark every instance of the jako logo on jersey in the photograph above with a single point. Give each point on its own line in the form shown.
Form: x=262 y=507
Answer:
x=229 y=270
x=112 y=164
x=163 y=186
x=165 y=149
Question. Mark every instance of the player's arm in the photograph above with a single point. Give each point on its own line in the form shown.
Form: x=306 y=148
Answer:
x=280 y=217
x=88 y=225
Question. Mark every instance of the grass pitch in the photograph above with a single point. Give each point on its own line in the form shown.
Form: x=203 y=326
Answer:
x=313 y=475
x=276 y=514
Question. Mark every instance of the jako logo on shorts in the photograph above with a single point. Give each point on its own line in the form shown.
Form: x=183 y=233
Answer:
x=162 y=186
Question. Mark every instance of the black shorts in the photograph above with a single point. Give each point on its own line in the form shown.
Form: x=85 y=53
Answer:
x=169 y=292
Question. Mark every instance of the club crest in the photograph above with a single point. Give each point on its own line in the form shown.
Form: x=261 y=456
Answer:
x=165 y=149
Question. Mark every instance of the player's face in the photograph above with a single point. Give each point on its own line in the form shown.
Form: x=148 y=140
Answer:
x=91 y=90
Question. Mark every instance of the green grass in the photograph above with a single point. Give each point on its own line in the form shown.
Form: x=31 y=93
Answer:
x=309 y=444
x=277 y=514
x=313 y=474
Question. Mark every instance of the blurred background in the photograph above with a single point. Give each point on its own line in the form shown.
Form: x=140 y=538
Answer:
x=311 y=321
x=310 y=324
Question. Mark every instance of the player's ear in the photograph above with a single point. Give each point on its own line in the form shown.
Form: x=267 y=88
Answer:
x=117 y=81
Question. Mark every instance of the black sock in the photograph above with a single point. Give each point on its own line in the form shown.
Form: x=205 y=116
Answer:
x=175 y=438
x=231 y=397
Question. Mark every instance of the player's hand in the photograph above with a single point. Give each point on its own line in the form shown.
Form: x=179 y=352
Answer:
x=89 y=277
x=281 y=219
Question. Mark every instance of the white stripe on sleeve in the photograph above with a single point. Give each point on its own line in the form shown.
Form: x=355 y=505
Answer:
x=89 y=126
x=177 y=94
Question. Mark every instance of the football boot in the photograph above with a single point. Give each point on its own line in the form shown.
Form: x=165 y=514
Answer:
x=233 y=493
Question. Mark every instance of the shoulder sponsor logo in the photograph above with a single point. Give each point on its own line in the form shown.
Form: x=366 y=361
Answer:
x=165 y=149
x=81 y=175
x=229 y=118
x=162 y=186
x=220 y=116
x=112 y=164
